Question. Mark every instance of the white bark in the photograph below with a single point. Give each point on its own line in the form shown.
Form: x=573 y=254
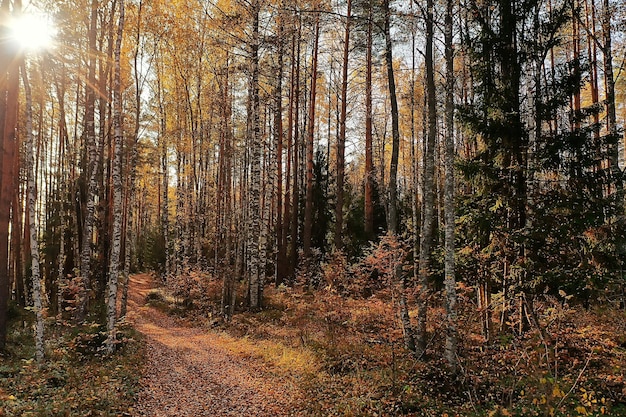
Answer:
x=255 y=286
x=34 y=245
x=92 y=155
x=114 y=260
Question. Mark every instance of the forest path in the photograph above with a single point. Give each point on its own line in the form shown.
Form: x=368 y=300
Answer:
x=190 y=373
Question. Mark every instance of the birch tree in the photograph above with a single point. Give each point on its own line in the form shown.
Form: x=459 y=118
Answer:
x=91 y=171
x=31 y=201
x=255 y=284
x=116 y=244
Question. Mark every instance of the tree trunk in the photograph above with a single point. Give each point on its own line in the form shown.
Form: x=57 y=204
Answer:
x=130 y=211
x=428 y=185
x=449 y=206
x=90 y=173
x=409 y=340
x=255 y=285
x=308 y=207
x=34 y=245
x=341 y=139
x=294 y=114
x=9 y=89
x=281 y=239
x=369 y=160
x=114 y=261
x=395 y=127
x=609 y=87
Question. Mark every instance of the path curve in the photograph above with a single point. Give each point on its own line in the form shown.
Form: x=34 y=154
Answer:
x=188 y=374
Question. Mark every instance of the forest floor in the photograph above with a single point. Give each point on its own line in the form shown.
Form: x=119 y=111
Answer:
x=326 y=352
x=190 y=371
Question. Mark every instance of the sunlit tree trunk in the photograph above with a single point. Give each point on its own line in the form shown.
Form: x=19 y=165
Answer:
x=16 y=276
x=130 y=211
x=114 y=261
x=34 y=242
x=91 y=171
x=9 y=89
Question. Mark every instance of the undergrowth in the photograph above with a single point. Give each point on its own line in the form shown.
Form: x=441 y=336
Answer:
x=76 y=378
x=345 y=353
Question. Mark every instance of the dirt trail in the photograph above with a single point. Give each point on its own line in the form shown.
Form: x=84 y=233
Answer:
x=189 y=374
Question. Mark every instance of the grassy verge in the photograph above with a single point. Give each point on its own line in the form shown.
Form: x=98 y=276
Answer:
x=76 y=379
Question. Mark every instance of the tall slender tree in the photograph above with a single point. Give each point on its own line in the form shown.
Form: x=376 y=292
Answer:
x=9 y=93
x=90 y=174
x=341 y=139
x=310 y=142
x=31 y=201
x=428 y=183
x=255 y=284
x=116 y=244
x=449 y=194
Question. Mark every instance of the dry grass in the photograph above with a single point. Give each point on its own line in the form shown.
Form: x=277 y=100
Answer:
x=347 y=354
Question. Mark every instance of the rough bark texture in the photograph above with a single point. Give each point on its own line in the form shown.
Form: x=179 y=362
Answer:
x=130 y=236
x=428 y=186
x=116 y=244
x=91 y=171
x=449 y=206
x=34 y=244
x=369 y=160
x=255 y=165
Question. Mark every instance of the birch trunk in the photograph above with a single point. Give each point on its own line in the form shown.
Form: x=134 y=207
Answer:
x=114 y=261
x=92 y=155
x=34 y=245
x=255 y=288
x=369 y=160
x=129 y=247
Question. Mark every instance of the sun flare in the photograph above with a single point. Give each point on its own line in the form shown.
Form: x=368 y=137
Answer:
x=33 y=32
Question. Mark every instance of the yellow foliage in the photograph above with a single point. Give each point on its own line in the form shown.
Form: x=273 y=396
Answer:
x=557 y=392
x=289 y=359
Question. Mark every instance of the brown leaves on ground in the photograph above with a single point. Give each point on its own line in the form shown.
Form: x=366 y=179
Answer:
x=193 y=372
